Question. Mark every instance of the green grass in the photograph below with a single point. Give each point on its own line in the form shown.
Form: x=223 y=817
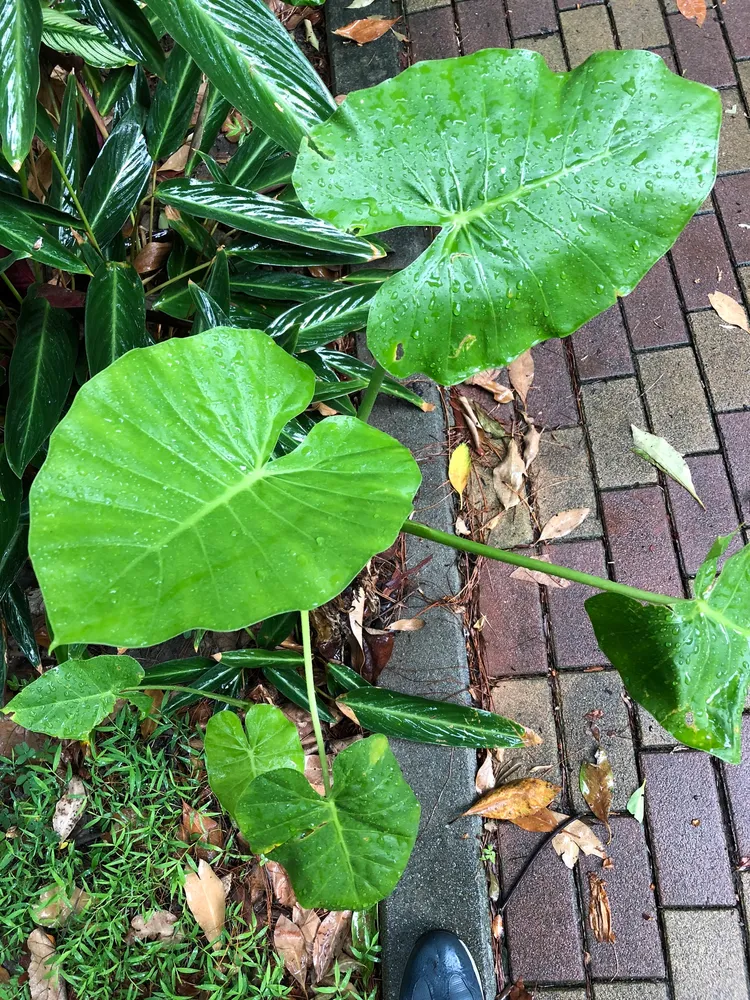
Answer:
x=133 y=864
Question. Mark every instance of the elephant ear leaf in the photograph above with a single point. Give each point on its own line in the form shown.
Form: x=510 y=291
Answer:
x=144 y=527
x=555 y=193
x=688 y=664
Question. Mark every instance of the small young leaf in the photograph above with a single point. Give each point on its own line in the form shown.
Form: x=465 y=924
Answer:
x=659 y=452
x=636 y=802
x=459 y=468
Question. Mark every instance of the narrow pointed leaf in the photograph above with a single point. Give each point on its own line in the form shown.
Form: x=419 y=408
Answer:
x=410 y=718
x=344 y=852
x=292 y=686
x=41 y=373
x=37 y=210
x=25 y=235
x=10 y=504
x=64 y=34
x=208 y=312
x=259 y=215
x=284 y=287
x=252 y=60
x=187 y=508
x=689 y=664
x=659 y=452
x=20 y=38
x=349 y=365
x=126 y=26
x=115 y=315
x=251 y=155
x=117 y=179
x=274 y=253
x=322 y=320
x=172 y=107
x=68 y=150
x=236 y=756
x=16 y=614
x=556 y=192
x=213 y=114
x=70 y=700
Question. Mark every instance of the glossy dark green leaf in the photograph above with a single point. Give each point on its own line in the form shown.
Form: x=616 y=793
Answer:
x=689 y=664
x=172 y=106
x=10 y=503
x=191 y=232
x=15 y=553
x=115 y=85
x=274 y=630
x=23 y=234
x=64 y=34
x=213 y=113
x=252 y=60
x=274 y=253
x=176 y=301
x=410 y=718
x=20 y=38
x=117 y=179
x=556 y=192
x=287 y=287
x=343 y=678
x=115 y=314
x=70 y=700
x=216 y=171
x=44 y=130
x=14 y=608
x=41 y=372
x=37 y=210
x=181 y=519
x=208 y=312
x=181 y=672
x=236 y=756
x=350 y=365
x=219 y=678
x=252 y=153
x=324 y=319
x=292 y=686
x=277 y=171
x=126 y=26
x=343 y=852
x=249 y=316
x=255 y=658
x=68 y=150
x=257 y=214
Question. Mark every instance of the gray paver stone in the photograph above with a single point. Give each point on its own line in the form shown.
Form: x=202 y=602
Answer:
x=639 y=24
x=630 y=991
x=734 y=145
x=529 y=700
x=677 y=400
x=706 y=954
x=586 y=31
x=725 y=353
x=561 y=479
x=611 y=407
x=550 y=47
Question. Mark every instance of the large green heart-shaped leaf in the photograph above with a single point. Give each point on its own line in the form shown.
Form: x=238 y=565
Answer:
x=345 y=852
x=69 y=700
x=689 y=664
x=236 y=756
x=556 y=192
x=158 y=510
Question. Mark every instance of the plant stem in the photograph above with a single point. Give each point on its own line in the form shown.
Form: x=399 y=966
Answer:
x=539 y=565
x=14 y=291
x=193 y=270
x=310 y=682
x=371 y=392
x=238 y=703
x=74 y=197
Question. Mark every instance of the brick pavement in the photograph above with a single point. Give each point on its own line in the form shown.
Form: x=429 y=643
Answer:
x=662 y=359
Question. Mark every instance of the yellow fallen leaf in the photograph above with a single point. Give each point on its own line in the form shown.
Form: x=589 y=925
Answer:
x=729 y=310
x=515 y=799
x=459 y=468
x=206 y=901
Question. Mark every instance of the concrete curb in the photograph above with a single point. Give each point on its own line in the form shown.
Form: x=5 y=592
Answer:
x=444 y=883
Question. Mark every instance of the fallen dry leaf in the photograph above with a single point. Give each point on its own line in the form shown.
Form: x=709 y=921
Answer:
x=177 y=161
x=289 y=942
x=519 y=992
x=55 y=907
x=536 y=576
x=693 y=10
x=356 y=616
x=660 y=453
x=366 y=29
x=507 y=477
x=521 y=374
x=515 y=799
x=330 y=940
x=205 y=899
x=308 y=922
x=539 y=822
x=488 y=424
x=560 y=525
x=729 y=310
x=485 y=779
x=159 y=925
x=488 y=380
x=531 y=440
x=597 y=781
x=314 y=773
x=407 y=625
x=282 y=887
x=497 y=927
x=462 y=527
x=45 y=982
x=197 y=825
x=576 y=837
x=459 y=468
x=600 y=913
x=151 y=257
x=69 y=809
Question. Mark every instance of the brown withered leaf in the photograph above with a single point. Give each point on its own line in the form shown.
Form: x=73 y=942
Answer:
x=539 y=822
x=197 y=825
x=407 y=625
x=330 y=940
x=308 y=922
x=282 y=887
x=519 y=992
x=485 y=779
x=314 y=772
x=507 y=477
x=366 y=29
x=289 y=942
x=536 y=576
x=45 y=982
x=531 y=440
x=693 y=10
x=600 y=913
x=148 y=725
x=177 y=161
x=159 y=925
x=151 y=257
x=729 y=310
x=560 y=525
x=576 y=837
x=521 y=374
x=206 y=901
x=69 y=809
x=488 y=380
x=55 y=907
x=515 y=799
x=597 y=781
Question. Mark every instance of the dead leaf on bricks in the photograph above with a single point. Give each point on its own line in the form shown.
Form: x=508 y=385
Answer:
x=198 y=825
x=560 y=525
x=44 y=980
x=539 y=822
x=515 y=799
x=407 y=625
x=488 y=380
x=536 y=576
x=596 y=782
x=693 y=10
x=159 y=926
x=488 y=424
x=531 y=440
x=330 y=940
x=521 y=374
x=308 y=922
x=519 y=992
x=485 y=779
x=459 y=468
x=366 y=29
x=576 y=837
x=729 y=310
x=69 y=809
x=289 y=942
x=507 y=477
x=600 y=914
x=205 y=899
x=282 y=887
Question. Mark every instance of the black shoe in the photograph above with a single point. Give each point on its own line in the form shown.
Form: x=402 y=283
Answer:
x=440 y=967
